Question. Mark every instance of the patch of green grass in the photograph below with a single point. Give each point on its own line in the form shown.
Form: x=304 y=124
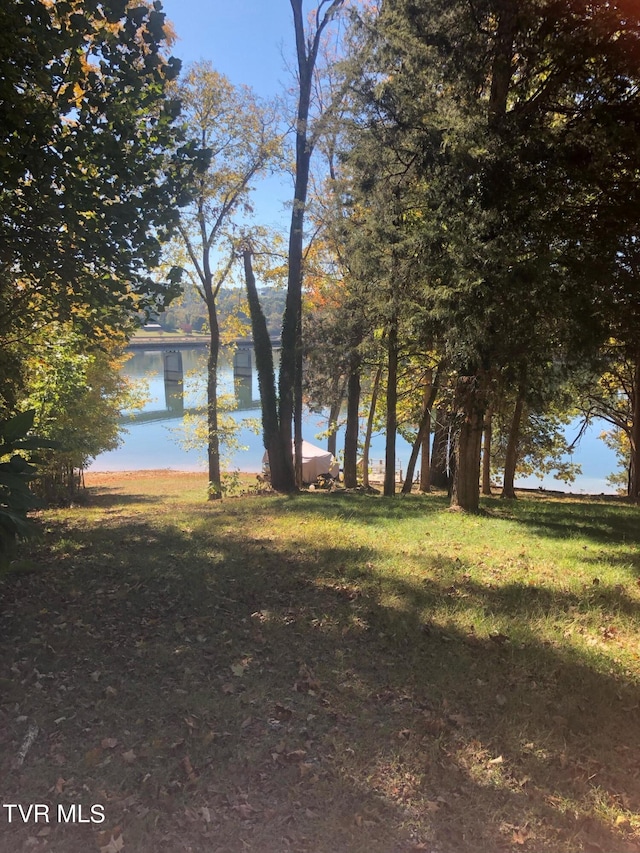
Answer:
x=328 y=672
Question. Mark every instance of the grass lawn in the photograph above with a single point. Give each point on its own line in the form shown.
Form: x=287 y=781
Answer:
x=330 y=673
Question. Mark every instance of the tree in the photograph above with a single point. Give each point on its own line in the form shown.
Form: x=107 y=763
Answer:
x=615 y=396
x=286 y=472
x=16 y=473
x=239 y=133
x=528 y=425
x=87 y=191
x=290 y=378
x=494 y=107
x=77 y=393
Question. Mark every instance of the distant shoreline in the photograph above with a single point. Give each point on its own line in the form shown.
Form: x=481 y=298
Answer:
x=102 y=478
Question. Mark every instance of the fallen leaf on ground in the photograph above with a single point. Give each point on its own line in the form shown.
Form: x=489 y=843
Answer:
x=520 y=836
x=188 y=769
x=296 y=755
x=245 y=810
x=114 y=845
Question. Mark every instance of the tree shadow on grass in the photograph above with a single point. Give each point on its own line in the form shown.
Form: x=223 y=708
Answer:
x=263 y=696
x=108 y=497
x=369 y=509
x=601 y=521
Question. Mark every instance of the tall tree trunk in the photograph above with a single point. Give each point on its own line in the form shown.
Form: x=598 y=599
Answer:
x=297 y=402
x=422 y=438
x=389 y=488
x=334 y=414
x=511 y=454
x=465 y=492
x=214 y=491
x=290 y=378
x=280 y=460
x=353 y=425
x=634 y=437
x=440 y=475
x=369 y=430
x=425 y=458
x=486 y=452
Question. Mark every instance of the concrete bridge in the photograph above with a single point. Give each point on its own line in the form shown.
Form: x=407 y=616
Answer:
x=160 y=341
x=174 y=383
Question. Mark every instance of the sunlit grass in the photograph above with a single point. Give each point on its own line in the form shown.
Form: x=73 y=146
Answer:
x=342 y=672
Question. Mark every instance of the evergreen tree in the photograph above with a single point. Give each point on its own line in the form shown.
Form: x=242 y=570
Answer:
x=496 y=108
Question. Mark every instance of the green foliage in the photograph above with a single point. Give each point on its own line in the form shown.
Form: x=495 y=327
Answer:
x=617 y=439
x=77 y=393
x=542 y=447
x=193 y=434
x=16 y=473
x=93 y=168
x=495 y=181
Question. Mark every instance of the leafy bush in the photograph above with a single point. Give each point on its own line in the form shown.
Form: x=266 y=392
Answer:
x=16 y=472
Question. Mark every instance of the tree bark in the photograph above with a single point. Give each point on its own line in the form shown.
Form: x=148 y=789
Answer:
x=422 y=438
x=280 y=460
x=511 y=455
x=214 y=491
x=486 y=453
x=389 y=488
x=634 y=436
x=353 y=426
x=425 y=458
x=439 y=468
x=290 y=378
x=465 y=492
x=334 y=414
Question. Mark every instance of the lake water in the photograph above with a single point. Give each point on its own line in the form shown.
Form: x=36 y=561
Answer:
x=156 y=440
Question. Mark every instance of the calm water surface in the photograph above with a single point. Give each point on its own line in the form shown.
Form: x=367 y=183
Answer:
x=158 y=442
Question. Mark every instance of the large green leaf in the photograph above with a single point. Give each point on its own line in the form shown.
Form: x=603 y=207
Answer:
x=16 y=428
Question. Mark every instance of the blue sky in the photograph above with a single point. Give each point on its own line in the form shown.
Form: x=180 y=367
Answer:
x=252 y=43
x=246 y=40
